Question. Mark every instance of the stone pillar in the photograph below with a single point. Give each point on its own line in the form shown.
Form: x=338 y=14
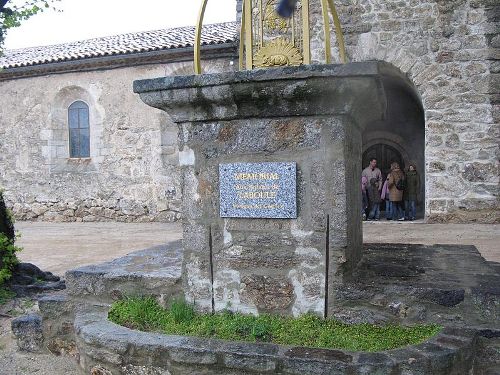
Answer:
x=310 y=115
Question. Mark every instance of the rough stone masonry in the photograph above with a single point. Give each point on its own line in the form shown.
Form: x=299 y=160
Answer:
x=448 y=49
x=309 y=115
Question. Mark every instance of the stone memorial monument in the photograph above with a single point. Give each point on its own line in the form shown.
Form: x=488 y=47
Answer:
x=270 y=161
x=272 y=224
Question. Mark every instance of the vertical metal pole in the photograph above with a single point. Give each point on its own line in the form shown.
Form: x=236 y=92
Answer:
x=197 y=38
x=261 y=25
x=338 y=32
x=306 y=39
x=248 y=34
x=326 y=29
x=241 y=63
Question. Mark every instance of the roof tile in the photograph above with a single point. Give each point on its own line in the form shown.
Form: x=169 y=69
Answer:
x=144 y=41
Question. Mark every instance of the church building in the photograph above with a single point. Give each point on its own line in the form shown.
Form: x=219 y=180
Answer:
x=76 y=144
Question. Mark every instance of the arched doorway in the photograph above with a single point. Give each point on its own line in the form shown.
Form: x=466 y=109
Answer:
x=400 y=135
x=385 y=155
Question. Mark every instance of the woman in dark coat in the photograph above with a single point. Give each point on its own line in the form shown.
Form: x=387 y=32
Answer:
x=412 y=187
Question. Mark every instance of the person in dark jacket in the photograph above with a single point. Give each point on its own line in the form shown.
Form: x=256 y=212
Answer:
x=374 y=199
x=410 y=195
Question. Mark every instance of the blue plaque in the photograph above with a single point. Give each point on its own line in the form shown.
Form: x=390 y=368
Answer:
x=258 y=190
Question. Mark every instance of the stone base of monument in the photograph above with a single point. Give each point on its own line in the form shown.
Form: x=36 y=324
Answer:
x=448 y=284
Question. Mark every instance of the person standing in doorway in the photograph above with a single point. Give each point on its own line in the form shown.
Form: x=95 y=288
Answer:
x=373 y=172
x=364 y=194
x=388 y=203
x=374 y=199
x=395 y=183
x=410 y=194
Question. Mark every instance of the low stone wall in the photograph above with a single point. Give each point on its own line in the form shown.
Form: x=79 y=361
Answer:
x=106 y=348
x=91 y=210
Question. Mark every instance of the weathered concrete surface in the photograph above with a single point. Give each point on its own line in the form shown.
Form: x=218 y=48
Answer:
x=445 y=284
x=311 y=115
x=485 y=237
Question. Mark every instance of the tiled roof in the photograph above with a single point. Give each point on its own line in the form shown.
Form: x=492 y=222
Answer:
x=145 y=41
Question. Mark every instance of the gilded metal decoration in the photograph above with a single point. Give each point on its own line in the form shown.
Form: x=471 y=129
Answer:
x=269 y=40
x=278 y=52
x=272 y=21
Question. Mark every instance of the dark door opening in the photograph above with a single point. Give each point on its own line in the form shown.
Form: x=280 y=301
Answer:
x=385 y=155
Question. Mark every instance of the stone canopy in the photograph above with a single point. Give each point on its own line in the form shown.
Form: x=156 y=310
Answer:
x=355 y=89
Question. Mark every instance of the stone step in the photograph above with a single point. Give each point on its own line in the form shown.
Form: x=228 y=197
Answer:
x=154 y=271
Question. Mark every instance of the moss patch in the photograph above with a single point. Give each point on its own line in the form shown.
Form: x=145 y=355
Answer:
x=146 y=314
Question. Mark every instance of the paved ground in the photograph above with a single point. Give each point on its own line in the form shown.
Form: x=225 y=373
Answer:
x=58 y=247
x=486 y=237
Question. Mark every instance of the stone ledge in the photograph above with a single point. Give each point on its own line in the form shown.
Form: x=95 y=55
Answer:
x=354 y=89
x=154 y=271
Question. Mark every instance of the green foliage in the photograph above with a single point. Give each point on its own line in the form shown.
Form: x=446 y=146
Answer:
x=8 y=249
x=6 y=295
x=182 y=312
x=6 y=220
x=8 y=257
x=11 y=15
x=307 y=330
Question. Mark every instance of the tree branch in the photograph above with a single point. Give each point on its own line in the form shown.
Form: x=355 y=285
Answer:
x=2 y=4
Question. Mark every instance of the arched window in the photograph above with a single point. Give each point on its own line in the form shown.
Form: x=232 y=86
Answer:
x=79 y=135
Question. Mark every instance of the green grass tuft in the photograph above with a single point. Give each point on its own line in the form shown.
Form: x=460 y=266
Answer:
x=308 y=330
x=6 y=295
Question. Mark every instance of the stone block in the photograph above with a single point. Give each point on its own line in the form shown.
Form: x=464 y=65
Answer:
x=28 y=332
x=128 y=275
x=258 y=364
x=193 y=356
x=280 y=270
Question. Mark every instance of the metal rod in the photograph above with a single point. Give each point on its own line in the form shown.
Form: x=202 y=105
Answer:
x=306 y=42
x=338 y=32
x=261 y=28
x=326 y=29
x=248 y=34
x=197 y=38
x=241 y=65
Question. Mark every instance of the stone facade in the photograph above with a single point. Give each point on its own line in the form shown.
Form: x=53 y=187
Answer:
x=448 y=126
x=132 y=174
x=449 y=50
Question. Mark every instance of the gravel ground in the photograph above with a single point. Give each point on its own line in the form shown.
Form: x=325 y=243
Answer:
x=13 y=362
